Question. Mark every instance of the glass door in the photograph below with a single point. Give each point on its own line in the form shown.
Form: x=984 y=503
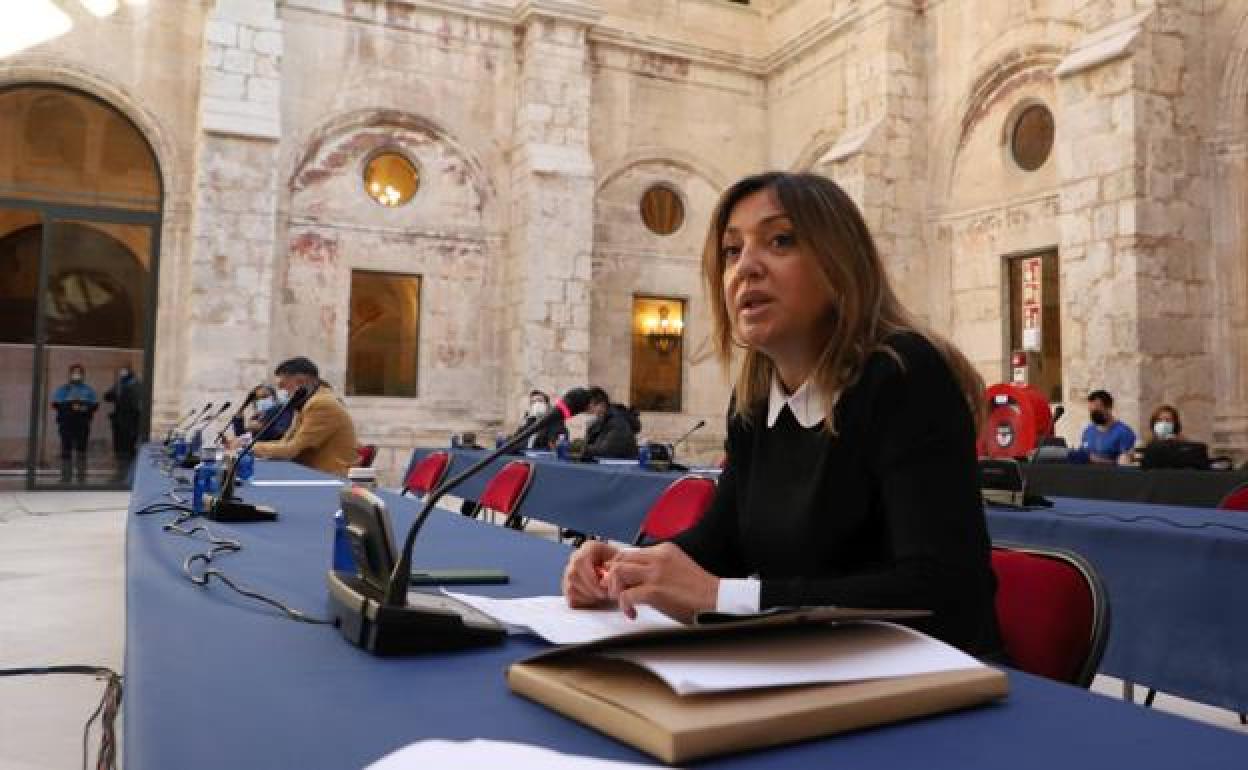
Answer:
x=93 y=333
x=21 y=243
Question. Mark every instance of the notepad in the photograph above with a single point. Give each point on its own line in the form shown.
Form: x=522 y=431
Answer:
x=552 y=619
x=484 y=753
x=833 y=654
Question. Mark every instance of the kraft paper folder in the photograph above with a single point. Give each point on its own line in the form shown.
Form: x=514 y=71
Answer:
x=630 y=704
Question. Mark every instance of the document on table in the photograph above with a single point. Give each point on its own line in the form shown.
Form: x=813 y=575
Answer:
x=853 y=652
x=484 y=753
x=552 y=619
x=297 y=483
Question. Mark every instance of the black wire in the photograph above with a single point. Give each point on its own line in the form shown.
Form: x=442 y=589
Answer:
x=1125 y=519
x=106 y=711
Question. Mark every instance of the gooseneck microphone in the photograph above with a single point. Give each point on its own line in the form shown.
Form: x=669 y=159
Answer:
x=383 y=619
x=182 y=423
x=251 y=397
x=226 y=506
x=701 y=424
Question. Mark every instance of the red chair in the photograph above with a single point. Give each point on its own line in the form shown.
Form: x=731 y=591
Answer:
x=365 y=454
x=1053 y=611
x=505 y=492
x=427 y=474
x=1235 y=500
x=679 y=507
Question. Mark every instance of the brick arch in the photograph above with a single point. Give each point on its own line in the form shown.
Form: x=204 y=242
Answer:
x=664 y=156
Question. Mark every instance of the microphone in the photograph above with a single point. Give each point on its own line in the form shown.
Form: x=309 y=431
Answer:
x=226 y=506
x=701 y=424
x=197 y=435
x=386 y=624
x=174 y=427
x=182 y=424
x=251 y=397
x=1058 y=412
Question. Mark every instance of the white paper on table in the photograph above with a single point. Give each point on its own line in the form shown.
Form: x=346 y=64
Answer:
x=852 y=652
x=481 y=753
x=297 y=483
x=551 y=618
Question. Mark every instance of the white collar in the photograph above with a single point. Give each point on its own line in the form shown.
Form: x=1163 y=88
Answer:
x=808 y=407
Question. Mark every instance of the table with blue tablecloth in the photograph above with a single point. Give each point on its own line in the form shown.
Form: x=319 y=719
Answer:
x=216 y=680
x=605 y=500
x=1176 y=579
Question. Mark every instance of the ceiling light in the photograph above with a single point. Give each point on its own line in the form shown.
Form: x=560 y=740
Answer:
x=35 y=22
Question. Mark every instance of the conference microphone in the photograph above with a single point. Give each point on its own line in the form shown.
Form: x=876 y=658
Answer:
x=388 y=622
x=226 y=506
x=251 y=397
x=701 y=424
x=186 y=422
x=178 y=422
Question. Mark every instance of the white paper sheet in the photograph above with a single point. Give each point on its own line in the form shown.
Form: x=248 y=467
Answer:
x=479 y=753
x=296 y=483
x=847 y=653
x=552 y=619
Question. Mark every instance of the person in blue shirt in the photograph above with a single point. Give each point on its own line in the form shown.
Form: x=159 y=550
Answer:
x=1106 y=440
x=75 y=403
x=268 y=402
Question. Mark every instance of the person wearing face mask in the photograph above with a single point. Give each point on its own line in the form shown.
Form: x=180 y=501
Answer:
x=126 y=396
x=266 y=404
x=1106 y=439
x=851 y=476
x=538 y=406
x=613 y=431
x=75 y=403
x=321 y=435
x=1165 y=424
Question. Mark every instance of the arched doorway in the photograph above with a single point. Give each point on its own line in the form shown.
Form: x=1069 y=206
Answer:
x=80 y=207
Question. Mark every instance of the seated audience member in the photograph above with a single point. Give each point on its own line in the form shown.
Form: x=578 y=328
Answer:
x=851 y=476
x=539 y=405
x=321 y=435
x=1165 y=424
x=266 y=404
x=613 y=432
x=1105 y=439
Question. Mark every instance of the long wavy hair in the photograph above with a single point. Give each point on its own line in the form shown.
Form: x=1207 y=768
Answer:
x=827 y=227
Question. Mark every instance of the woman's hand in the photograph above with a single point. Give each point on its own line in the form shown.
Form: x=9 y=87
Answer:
x=664 y=577
x=582 y=578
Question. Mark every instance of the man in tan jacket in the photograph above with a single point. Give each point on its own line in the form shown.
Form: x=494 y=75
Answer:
x=322 y=435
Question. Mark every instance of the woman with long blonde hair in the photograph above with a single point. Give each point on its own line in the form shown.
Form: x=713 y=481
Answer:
x=851 y=474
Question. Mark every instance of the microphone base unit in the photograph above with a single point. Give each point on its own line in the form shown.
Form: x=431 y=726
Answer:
x=235 y=510
x=427 y=623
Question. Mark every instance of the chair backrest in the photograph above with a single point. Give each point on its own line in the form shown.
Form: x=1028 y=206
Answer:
x=365 y=454
x=679 y=507
x=1236 y=499
x=427 y=474
x=1053 y=612
x=505 y=491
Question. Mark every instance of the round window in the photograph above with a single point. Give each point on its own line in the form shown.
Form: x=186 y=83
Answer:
x=391 y=179
x=1032 y=140
x=662 y=210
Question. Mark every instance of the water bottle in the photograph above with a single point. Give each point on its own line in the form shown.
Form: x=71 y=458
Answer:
x=643 y=453
x=343 y=557
x=562 y=446
x=205 y=483
x=499 y=440
x=246 y=466
x=180 y=447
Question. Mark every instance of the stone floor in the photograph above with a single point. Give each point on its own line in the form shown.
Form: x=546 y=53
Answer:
x=61 y=601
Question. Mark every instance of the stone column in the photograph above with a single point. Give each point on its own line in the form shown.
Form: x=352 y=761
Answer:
x=227 y=302
x=546 y=291
x=880 y=158
x=1135 y=218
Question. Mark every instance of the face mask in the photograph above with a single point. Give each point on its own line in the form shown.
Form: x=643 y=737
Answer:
x=1098 y=417
x=538 y=408
x=123 y=374
x=1163 y=429
x=75 y=377
x=264 y=404
x=283 y=395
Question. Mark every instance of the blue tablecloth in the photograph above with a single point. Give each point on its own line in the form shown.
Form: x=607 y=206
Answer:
x=604 y=500
x=217 y=681
x=1178 y=587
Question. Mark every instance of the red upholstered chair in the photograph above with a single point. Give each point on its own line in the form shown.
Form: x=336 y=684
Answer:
x=505 y=491
x=1235 y=500
x=427 y=474
x=365 y=454
x=1053 y=611
x=679 y=507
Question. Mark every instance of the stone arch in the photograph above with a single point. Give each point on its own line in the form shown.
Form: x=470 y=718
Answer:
x=651 y=155
x=303 y=154
x=816 y=147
